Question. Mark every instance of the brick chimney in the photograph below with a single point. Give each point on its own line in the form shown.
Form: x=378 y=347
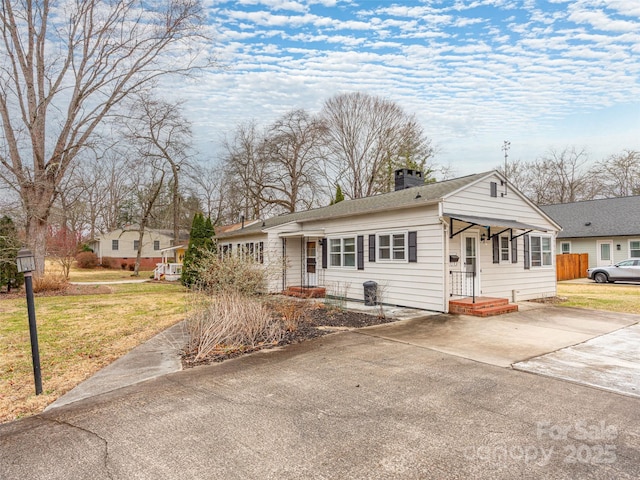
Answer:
x=406 y=178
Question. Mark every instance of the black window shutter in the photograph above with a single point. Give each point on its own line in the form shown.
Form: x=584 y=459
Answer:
x=496 y=248
x=494 y=189
x=527 y=259
x=323 y=242
x=514 y=250
x=372 y=248
x=360 y=242
x=413 y=246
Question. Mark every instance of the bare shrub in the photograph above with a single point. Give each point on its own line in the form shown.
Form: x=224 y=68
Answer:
x=87 y=260
x=290 y=312
x=229 y=322
x=336 y=295
x=108 y=262
x=49 y=283
x=230 y=273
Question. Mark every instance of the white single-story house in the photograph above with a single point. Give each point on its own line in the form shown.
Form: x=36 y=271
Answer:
x=423 y=244
x=121 y=246
x=608 y=229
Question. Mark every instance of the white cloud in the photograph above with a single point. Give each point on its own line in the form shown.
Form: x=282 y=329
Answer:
x=464 y=72
x=601 y=21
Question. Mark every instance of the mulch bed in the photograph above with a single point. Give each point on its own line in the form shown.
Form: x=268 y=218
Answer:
x=317 y=321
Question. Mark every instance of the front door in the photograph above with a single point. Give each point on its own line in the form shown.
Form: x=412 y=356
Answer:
x=470 y=265
x=605 y=253
x=312 y=278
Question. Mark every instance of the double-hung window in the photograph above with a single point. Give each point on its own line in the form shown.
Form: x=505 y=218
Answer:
x=565 y=247
x=505 y=249
x=342 y=252
x=541 y=251
x=634 y=248
x=115 y=244
x=136 y=244
x=156 y=244
x=392 y=247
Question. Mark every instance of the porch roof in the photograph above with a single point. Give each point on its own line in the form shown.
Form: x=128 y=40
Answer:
x=302 y=233
x=494 y=222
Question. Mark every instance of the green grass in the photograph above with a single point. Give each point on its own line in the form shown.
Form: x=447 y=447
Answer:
x=601 y=296
x=78 y=335
x=97 y=274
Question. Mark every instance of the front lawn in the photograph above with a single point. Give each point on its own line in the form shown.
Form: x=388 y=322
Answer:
x=601 y=296
x=78 y=335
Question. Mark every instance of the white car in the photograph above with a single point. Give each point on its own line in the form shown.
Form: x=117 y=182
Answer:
x=625 y=271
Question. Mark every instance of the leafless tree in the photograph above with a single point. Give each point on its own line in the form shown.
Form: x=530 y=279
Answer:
x=620 y=174
x=159 y=132
x=246 y=171
x=517 y=174
x=366 y=137
x=561 y=176
x=293 y=152
x=65 y=68
x=147 y=180
x=207 y=185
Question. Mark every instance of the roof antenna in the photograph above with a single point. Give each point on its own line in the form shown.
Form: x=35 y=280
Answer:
x=506 y=145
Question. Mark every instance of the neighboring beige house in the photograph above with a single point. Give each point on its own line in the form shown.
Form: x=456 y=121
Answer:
x=121 y=245
x=423 y=244
x=608 y=230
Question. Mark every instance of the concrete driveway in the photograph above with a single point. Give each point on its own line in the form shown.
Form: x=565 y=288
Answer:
x=349 y=405
x=535 y=330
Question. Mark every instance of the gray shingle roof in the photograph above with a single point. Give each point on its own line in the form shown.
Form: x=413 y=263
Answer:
x=387 y=201
x=610 y=217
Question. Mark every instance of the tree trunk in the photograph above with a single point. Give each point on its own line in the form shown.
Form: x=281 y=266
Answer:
x=176 y=205
x=136 y=269
x=37 y=240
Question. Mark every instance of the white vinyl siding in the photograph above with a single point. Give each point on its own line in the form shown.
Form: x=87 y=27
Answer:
x=418 y=285
x=124 y=243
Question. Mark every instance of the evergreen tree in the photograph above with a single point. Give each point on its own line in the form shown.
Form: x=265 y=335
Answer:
x=200 y=240
x=9 y=246
x=339 y=196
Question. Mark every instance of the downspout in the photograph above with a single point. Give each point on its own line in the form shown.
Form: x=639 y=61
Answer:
x=445 y=259
x=284 y=264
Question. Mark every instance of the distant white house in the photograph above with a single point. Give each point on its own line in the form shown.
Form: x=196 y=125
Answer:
x=423 y=244
x=606 y=229
x=121 y=246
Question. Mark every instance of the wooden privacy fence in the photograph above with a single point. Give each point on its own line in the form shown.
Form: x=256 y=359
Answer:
x=571 y=265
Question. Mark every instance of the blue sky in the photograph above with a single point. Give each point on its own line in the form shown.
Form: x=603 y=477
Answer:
x=475 y=73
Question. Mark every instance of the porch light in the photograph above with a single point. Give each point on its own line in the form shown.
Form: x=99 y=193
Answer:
x=25 y=261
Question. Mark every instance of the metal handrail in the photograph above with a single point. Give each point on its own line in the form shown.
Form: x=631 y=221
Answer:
x=462 y=284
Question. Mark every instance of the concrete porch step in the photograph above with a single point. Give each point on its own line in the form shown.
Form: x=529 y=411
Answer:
x=483 y=306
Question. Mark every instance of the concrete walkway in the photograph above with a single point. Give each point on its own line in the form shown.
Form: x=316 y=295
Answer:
x=154 y=358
